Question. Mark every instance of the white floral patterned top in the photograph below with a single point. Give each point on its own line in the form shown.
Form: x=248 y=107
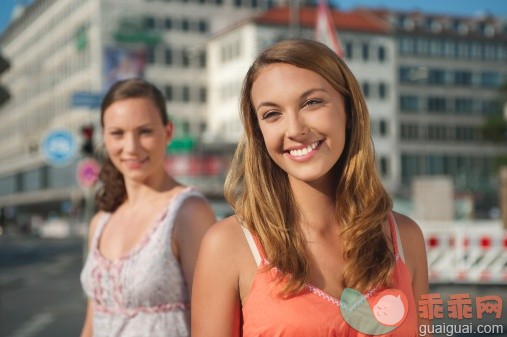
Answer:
x=143 y=293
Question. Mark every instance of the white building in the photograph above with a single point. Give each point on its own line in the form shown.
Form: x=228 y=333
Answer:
x=370 y=55
x=61 y=53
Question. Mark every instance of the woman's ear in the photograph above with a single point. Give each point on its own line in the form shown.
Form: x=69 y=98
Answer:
x=169 y=129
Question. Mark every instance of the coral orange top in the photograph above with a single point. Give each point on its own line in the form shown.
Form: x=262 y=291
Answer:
x=312 y=312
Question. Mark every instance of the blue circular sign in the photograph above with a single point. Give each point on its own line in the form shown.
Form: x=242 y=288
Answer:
x=59 y=147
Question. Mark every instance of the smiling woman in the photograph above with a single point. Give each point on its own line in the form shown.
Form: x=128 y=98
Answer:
x=313 y=235
x=144 y=241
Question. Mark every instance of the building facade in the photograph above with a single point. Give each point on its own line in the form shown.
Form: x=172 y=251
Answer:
x=64 y=54
x=430 y=82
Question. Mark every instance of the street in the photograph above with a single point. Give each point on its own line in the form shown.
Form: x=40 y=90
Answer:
x=41 y=296
x=40 y=293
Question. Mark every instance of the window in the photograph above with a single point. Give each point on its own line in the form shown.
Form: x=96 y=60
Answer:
x=186 y=94
x=348 y=50
x=168 y=23
x=383 y=127
x=202 y=94
x=490 y=79
x=365 y=52
x=405 y=75
x=382 y=90
x=185 y=59
x=409 y=103
x=381 y=53
x=202 y=59
x=185 y=25
x=436 y=76
x=464 y=106
x=409 y=131
x=150 y=56
x=463 y=78
x=168 y=90
x=366 y=89
x=149 y=22
x=437 y=104
x=168 y=57
x=384 y=166
x=203 y=26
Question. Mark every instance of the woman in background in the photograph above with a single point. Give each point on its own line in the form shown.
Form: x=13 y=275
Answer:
x=143 y=242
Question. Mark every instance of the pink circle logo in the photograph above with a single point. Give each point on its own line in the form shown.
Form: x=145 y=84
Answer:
x=390 y=307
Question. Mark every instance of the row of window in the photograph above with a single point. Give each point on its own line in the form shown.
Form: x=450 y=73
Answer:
x=459 y=77
x=184 y=93
x=181 y=57
x=452 y=49
x=480 y=167
x=458 y=26
x=177 y=24
x=449 y=105
x=364 y=52
x=438 y=132
x=230 y=50
x=371 y=90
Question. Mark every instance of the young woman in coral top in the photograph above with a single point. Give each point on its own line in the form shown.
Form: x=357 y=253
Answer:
x=314 y=248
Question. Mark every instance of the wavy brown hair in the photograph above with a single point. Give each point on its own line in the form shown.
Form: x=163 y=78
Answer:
x=112 y=192
x=260 y=193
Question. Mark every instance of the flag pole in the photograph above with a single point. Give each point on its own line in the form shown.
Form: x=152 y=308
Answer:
x=294 y=18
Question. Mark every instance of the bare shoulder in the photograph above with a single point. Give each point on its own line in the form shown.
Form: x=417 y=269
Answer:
x=414 y=247
x=409 y=229
x=196 y=207
x=224 y=235
x=93 y=224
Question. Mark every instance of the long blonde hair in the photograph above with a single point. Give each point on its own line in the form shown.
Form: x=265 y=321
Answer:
x=261 y=196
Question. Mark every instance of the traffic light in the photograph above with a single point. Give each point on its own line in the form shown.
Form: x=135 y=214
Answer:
x=87 y=147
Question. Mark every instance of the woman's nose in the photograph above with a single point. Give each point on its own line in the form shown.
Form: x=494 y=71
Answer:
x=296 y=126
x=131 y=143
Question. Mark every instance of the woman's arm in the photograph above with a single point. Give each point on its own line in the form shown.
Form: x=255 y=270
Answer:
x=216 y=306
x=414 y=249
x=87 y=330
x=194 y=219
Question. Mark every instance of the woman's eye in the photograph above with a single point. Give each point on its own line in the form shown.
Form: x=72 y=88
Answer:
x=116 y=133
x=312 y=102
x=270 y=114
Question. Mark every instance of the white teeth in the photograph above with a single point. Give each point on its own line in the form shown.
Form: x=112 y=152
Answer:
x=304 y=151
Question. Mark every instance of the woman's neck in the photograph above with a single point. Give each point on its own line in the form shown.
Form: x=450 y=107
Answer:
x=316 y=202
x=140 y=192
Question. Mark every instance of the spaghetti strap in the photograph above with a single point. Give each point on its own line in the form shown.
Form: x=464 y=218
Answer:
x=395 y=236
x=253 y=243
x=253 y=246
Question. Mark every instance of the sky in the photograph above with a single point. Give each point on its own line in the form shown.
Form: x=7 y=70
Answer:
x=456 y=7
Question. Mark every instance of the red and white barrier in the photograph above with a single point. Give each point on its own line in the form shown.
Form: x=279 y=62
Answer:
x=466 y=253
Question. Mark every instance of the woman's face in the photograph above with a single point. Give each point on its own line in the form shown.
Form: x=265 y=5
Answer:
x=135 y=138
x=302 y=119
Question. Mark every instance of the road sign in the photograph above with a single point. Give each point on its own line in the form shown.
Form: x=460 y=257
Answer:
x=87 y=172
x=58 y=147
